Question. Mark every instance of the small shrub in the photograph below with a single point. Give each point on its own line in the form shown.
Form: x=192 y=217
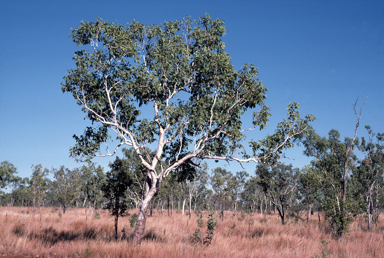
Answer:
x=324 y=252
x=19 y=229
x=211 y=224
x=97 y=215
x=196 y=237
x=88 y=252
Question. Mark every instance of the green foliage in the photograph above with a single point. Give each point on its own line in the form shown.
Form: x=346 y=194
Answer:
x=66 y=185
x=115 y=188
x=211 y=225
x=196 y=237
x=180 y=68
x=88 y=251
x=367 y=178
x=279 y=183
x=8 y=175
x=221 y=181
x=132 y=220
x=332 y=160
x=92 y=180
x=39 y=182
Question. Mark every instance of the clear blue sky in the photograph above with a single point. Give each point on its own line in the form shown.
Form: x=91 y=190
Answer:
x=321 y=54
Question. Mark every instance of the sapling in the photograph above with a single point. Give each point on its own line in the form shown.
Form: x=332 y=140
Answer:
x=196 y=238
x=211 y=224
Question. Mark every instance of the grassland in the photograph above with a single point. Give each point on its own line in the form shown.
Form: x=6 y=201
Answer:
x=52 y=234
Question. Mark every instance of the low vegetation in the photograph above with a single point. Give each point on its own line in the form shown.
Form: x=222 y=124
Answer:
x=50 y=235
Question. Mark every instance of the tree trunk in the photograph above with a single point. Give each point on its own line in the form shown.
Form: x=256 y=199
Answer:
x=182 y=213
x=142 y=217
x=169 y=205
x=34 y=202
x=369 y=212
x=116 y=221
x=222 y=210
x=309 y=211
x=190 y=204
x=172 y=205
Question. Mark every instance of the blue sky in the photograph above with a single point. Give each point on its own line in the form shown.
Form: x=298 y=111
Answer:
x=321 y=54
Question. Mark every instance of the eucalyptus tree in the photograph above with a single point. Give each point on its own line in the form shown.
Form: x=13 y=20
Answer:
x=279 y=183
x=182 y=72
x=39 y=183
x=92 y=178
x=200 y=181
x=331 y=157
x=237 y=183
x=252 y=195
x=309 y=188
x=336 y=160
x=221 y=184
x=7 y=175
x=368 y=177
x=22 y=193
x=66 y=185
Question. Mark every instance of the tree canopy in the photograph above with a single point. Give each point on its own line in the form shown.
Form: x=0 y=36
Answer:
x=173 y=86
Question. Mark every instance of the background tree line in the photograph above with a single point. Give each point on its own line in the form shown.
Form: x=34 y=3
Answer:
x=342 y=185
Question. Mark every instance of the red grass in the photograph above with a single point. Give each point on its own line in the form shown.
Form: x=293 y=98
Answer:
x=83 y=236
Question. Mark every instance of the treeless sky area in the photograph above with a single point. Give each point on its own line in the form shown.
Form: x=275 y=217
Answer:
x=321 y=54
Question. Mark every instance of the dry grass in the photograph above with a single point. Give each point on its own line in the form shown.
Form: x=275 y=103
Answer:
x=21 y=233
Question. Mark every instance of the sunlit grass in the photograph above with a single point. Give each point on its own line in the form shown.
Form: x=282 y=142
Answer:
x=68 y=235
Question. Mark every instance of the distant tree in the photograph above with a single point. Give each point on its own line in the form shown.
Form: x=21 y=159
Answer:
x=368 y=176
x=138 y=173
x=92 y=178
x=22 y=193
x=309 y=188
x=221 y=184
x=66 y=185
x=39 y=184
x=237 y=183
x=7 y=175
x=200 y=181
x=252 y=195
x=182 y=70
x=280 y=185
x=115 y=190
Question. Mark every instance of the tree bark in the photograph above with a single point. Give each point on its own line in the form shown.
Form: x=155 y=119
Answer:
x=142 y=217
x=182 y=213
x=309 y=211
x=116 y=221
x=190 y=204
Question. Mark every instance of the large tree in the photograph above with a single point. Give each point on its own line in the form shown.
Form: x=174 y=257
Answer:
x=171 y=86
